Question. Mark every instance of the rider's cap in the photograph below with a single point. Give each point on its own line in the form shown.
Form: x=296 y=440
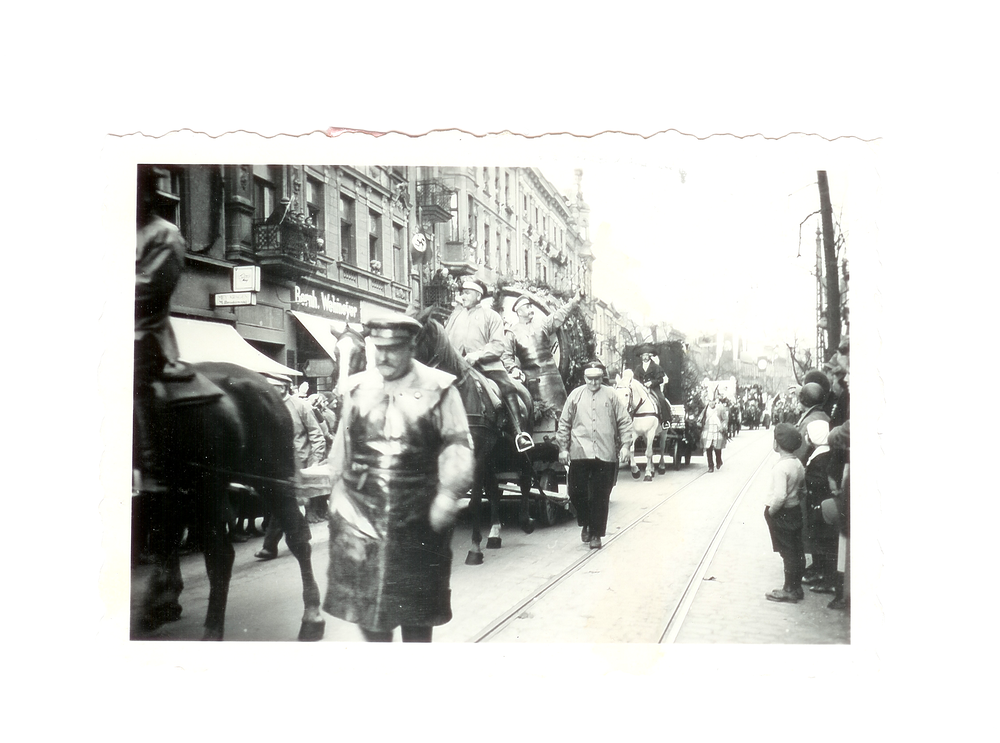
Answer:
x=395 y=329
x=593 y=370
x=475 y=284
x=520 y=302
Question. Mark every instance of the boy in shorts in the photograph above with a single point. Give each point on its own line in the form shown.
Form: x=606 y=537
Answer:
x=783 y=513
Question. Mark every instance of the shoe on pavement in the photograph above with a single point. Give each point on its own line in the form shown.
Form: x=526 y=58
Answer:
x=585 y=534
x=837 y=604
x=595 y=543
x=822 y=588
x=265 y=554
x=781 y=595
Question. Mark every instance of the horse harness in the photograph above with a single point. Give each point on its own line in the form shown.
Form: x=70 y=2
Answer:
x=633 y=407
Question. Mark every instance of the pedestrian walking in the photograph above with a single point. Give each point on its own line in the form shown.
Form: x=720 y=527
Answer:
x=594 y=434
x=713 y=433
x=783 y=514
x=401 y=459
x=309 y=449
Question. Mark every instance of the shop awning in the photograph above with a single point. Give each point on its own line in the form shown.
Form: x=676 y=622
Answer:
x=322 y=329
x=211 y=341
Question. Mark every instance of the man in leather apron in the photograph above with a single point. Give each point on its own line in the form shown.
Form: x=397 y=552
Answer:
x=533 y=349
x=401 y=459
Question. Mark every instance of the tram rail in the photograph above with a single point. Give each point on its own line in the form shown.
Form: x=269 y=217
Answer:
x=675 y=614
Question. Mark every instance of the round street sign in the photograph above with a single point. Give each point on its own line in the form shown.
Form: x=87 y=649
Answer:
x=419 y=242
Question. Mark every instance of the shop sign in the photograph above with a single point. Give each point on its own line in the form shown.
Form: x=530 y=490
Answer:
x=234 y=299
x=328 y=304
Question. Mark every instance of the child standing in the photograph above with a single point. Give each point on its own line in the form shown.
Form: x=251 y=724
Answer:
x=783 y=513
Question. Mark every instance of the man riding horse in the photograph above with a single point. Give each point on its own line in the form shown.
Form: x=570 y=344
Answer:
x=159 y=262
x=649 y=374
x=533 y=341
x=476 y=332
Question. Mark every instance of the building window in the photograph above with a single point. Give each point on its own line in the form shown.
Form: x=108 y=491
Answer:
x=167 y=193
x=508 y=266
x=486 y=243
x=472 y=219
x=398 y=265
x=348 y=248
x=314 y=202
x=375 y=238
x=263 y=198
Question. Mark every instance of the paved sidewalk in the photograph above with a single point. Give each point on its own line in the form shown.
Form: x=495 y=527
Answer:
x=730 y=607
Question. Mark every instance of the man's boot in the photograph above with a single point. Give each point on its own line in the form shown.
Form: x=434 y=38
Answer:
x=150 y=463
x=522 y=440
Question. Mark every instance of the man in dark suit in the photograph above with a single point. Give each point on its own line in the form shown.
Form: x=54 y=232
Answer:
x=650 y=375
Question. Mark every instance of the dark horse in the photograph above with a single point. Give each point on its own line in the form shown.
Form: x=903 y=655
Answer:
x=493 y=441
x=243 y=436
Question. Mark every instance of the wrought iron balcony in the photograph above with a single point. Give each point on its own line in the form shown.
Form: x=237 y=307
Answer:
x=434 y=200
x=289 y=243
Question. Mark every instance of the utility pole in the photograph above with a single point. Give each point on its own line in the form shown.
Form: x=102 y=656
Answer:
x=832 y=277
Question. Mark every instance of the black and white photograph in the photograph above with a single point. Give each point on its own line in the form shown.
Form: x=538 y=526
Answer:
x=596 y=393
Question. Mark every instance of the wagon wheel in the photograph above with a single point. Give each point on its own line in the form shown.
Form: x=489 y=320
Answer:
x=547 y=511
x=677 y=453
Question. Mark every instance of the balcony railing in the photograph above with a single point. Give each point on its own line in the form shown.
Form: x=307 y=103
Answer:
x=372 y=283
x=287 y=239
x=434 y=200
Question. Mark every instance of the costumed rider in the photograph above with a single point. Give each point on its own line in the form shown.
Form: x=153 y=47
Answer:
x=401 y=459
x=651 y=376
x=159 y=261
x=533 y=348
x=476 y=332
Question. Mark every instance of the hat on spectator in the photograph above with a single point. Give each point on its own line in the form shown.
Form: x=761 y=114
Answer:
x=818 y=432
x=395 y=329
x=812 y=394
x=787 y=437
x=475 y=285
x=278 y=378
x=819 y=378
x=521 y=302
x=593 y=370
x=845 y=345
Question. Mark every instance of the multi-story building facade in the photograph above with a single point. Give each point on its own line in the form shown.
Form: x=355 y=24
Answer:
x=326 y=245
x=506 y=223
x=329 y=244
